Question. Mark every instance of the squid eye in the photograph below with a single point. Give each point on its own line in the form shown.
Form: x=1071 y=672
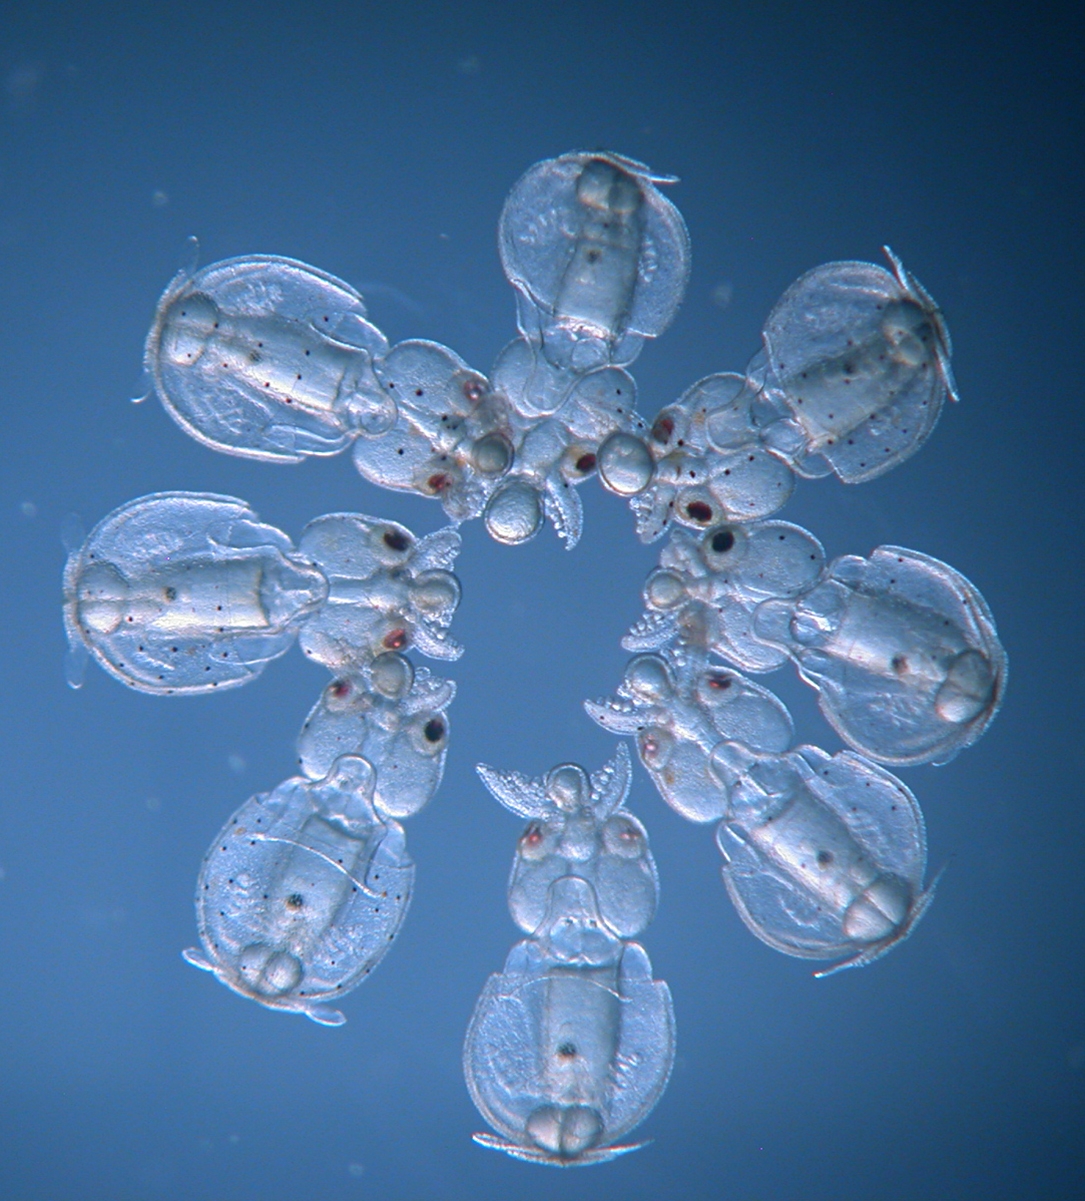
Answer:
x=473 y=389
x=663 y=429
x=429 y=734
x=532 y=836
x=621 y=837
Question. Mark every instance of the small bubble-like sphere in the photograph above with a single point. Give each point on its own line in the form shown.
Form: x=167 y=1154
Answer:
x=514 y=514
x=625 y=464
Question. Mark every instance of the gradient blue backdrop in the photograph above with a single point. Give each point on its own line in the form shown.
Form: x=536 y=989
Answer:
x=378 y=142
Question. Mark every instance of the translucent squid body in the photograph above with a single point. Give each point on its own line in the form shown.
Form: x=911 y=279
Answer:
x=268 y=358
x=598 y=257
x=825 y=855
x=679 y=719
x=302 y=892
x=703 y=596
x=183 y=592
x=393 y=715
x=305 y=888
x=902 y=650
x=857 y=370
x=572 y=1044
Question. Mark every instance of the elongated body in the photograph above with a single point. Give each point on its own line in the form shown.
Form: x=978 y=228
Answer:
x=572 y=1044
x=183 y=592
x=598 y=256
x=268 y=358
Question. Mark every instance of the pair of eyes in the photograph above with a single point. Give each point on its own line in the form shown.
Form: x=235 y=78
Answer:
x=618 y=835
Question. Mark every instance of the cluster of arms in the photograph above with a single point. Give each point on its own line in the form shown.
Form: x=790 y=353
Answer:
x=306 y=887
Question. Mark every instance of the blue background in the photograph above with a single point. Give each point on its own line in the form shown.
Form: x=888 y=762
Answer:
x=378 y=142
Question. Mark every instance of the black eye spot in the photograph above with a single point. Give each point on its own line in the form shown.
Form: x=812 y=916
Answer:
x=396 y=540
x=824 y=858
x=170 y=592
x=722 y=541
x=697 y=510
x=434 y=729
x=567 y=1051
x=586 y=463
